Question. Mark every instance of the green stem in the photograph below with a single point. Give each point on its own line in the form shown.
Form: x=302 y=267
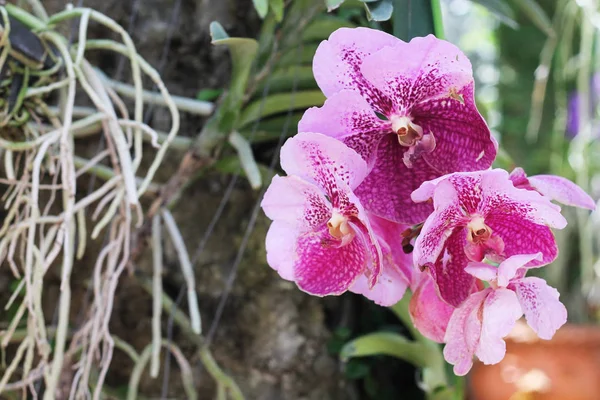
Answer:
x=434 y=374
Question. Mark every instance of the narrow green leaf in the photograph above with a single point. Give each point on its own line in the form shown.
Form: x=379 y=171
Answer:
x=243 y=51
x=333 y=4
x=321 y=28
x=208 y=94
x=380 y=10
x=413 y=18
x=295 y=57
x=262 y=7
x=537 y=15
x=386 y=343
x=270 y=129
x=501 y=10
x=246 y=157
x=280 y=103
x=277 y=8
x=285 y=79
x=217 y=32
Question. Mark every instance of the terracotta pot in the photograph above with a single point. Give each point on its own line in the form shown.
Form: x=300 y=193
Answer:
x=564 y=368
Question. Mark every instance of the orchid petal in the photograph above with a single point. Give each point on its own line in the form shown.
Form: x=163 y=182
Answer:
x=521 y=236
x=348 y=117
x=463 y=333
x=322 y=160
x=543 y=311
x=501 y=198
x=501 y=309
x=562 y=190
x=428 y=312
x=323 y=267
x=386 y=190
x=464 y=142
x=482 y=271
x=337 y=62
x=280 y=243
x=296 y=202
x=507 y=270
x=448 y=271
x=423 y=69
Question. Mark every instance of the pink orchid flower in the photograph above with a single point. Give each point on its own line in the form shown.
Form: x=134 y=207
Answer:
x=429 y=314
x=321 y=236
x=479 y=325
x=554 y=187
x=480 y=215
x=407 y=108
x=397 y=268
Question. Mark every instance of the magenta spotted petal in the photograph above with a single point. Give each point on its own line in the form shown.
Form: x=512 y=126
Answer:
x=321 y=236
x=428 y=312
x=397 y=270
x=554 y=187
x=481 y=322
x=478 y=327
x=480 y=215
x=407 y=108
x=386 y=190
x=337 y=62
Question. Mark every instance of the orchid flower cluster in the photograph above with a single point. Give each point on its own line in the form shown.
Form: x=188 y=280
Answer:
x=389 y=187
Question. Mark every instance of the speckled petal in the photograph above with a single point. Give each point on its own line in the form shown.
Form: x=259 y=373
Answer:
x=337 y=61
x=322 y=160
x=501 y=310
x=523 y=237
x=501 y=198
x=386 y=190
x=411 y=73
x=466 y=188
x=448 y=271
x=562 y=190
x=543 y=311
x=390 y=287
x=299 y=203
x=463 y=333
x=324 y=268
x=428 y=312
x=463 y=139
x=438 y=226
x=347 y=116
x=389 y=236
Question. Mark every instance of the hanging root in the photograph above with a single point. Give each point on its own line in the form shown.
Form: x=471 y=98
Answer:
x=45 y=223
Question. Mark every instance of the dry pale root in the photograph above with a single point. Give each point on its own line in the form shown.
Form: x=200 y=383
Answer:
x=33 y=237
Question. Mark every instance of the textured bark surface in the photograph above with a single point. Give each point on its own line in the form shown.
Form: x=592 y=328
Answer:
x=272 y=338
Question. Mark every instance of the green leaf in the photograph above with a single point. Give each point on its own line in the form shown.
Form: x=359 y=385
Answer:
x=356 y=370
x=280 y=103
x=262 y=7
x=380 y=10
x=321 y=28
x=209 y=94
x=285 y=79
x=333 y=4
x=501 y=10
x=271 y=128
x=295 y=57
x=413 y=18
x=277 y=8
x=243 y=51
x=537 y=15
x=386 y=343
x=246 y=157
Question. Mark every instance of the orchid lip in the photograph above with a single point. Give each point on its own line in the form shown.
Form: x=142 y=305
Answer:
x=340 y=228
x=479 y=232
x=408 y=133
